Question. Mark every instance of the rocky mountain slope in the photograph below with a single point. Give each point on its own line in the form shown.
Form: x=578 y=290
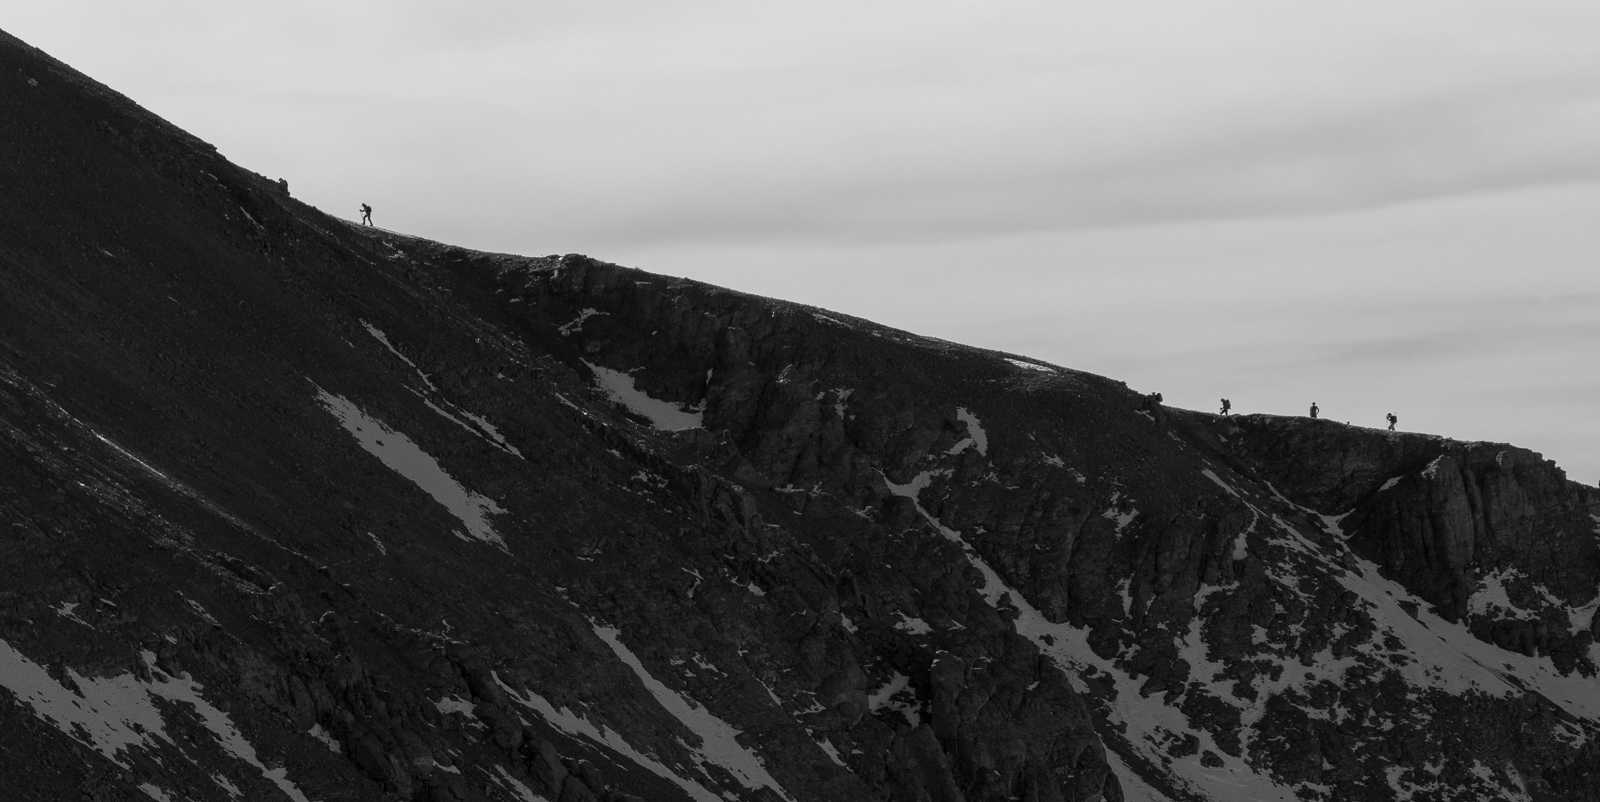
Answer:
x=295 y=509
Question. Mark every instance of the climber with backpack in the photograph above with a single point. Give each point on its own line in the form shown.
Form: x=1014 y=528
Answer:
x=1392 y=421
x=366 y=215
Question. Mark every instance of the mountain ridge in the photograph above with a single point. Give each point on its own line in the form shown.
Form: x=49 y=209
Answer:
x=296 y=508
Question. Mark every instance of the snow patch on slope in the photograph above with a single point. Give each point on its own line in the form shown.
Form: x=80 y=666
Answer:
x=885 y=697
x=1122 y=518
x=840 y=396
x=494 y=434
x=402 y=456
x=573 y=724
x=115 y=714
x=576 y=324
x=1134 y=788
x=108 y=714
x=1491 y=595
x=831 y=750
x=516 y=787
x=914 y=487
x=664 y=415
x=1425 y=650
x=455 y=705
x=325 y=738
x=912 y=626
x=1147 y=719
x=1030 y=365
x=483 y=430
x=154 y=792
x=1449 y=656
x=718 y=739
x=377 y=334
x=1209 y=474
x=976 y=436
x=183 y=689
x=1242 y=541
x=66 y=611
x=227 y=785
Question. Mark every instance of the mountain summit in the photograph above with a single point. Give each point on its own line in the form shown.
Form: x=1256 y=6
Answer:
x=296 y=509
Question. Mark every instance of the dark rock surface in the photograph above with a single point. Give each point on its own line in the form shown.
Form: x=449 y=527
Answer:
x=291 y=508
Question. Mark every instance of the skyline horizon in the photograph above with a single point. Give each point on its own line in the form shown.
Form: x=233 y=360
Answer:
x=1273 y=206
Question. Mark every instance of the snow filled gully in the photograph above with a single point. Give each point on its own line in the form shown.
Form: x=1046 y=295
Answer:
x=718 y=740
x=1427 y=651
x=1148 y=721
x=663 y=415
x=114 y=715
x=578 y=726
x=402 y=456
x=479 y=427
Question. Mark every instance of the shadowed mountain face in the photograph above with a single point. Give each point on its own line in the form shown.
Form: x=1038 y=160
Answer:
x=294 y=509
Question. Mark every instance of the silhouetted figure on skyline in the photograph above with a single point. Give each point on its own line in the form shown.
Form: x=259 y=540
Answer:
x=1392 y=421
x=366 y=215
x=1152 y=405
x=1314 y=409
x=1226 y=405
x=1158 y=412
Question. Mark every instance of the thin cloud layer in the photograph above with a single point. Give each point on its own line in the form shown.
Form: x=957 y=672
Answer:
x=848 y=122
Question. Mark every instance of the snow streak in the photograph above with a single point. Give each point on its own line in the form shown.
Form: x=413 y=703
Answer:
x=664 y=415
x=402 y=456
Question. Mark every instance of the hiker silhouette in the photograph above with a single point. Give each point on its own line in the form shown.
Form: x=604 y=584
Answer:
x=1226 y=405
x=1314 y=409
x=366 y=215
x=1392 y=421
x=1152 y=407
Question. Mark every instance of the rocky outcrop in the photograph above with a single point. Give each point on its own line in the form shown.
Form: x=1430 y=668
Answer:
x=292 y=508
x=1434 y=514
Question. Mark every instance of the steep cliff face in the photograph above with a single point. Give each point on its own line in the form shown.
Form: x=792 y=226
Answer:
x=1444 y=518
x=296 y=509
x=1250 y=581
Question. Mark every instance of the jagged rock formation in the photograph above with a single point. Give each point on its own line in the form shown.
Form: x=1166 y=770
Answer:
x=295 y=509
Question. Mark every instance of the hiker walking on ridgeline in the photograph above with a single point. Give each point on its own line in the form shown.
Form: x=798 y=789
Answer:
x=366 y=215
x=1226 y=405
x=1152 y=406
x=1392 y=421
x=1151 y=403
x=1314 y=409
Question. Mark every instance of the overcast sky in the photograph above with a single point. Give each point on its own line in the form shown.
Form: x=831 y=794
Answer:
x=1377 y=206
